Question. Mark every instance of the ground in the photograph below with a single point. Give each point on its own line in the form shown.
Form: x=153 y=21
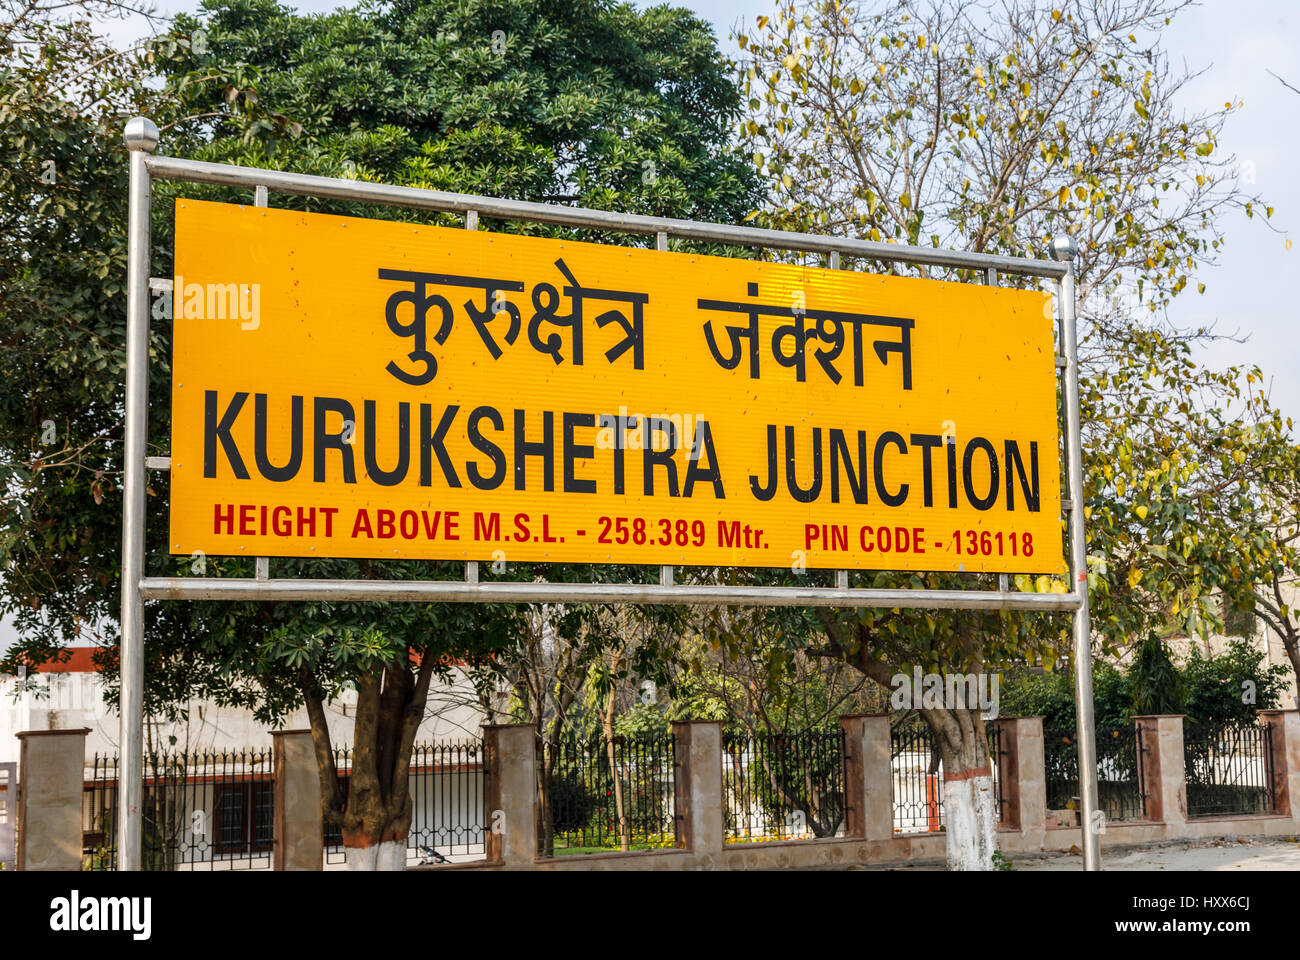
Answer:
x=1230 y=853
x=1223 y=853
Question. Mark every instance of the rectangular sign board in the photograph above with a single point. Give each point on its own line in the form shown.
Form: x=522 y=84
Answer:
x=348 y=387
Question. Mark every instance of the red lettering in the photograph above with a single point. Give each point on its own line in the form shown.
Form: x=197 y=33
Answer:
x=227 y=517
x=414 y=524
x=450 y=524
x=385 y=521
x=862 y=538
x=282 y=530
x=900 y=540
x=811 y=533
x=247 y=518
x=362 y=523
x=918 y=539
x=307 y=522
x=329 y=519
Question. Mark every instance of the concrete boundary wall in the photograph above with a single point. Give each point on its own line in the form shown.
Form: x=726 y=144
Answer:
x=50 y=804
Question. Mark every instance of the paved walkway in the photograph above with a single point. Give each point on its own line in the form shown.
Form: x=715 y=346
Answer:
x=1201 y=855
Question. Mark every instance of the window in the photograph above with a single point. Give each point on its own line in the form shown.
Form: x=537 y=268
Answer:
x=245 y=816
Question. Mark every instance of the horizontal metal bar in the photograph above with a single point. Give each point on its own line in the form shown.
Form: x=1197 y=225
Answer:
x=459 y=591
x=157 y=463
x=279 y=181
x=160 y=284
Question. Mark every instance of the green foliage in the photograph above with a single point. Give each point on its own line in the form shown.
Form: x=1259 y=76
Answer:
x=572 y=804
x=1208 y=690
x=1232 y=687
x=592 y=103
x=1157 y=686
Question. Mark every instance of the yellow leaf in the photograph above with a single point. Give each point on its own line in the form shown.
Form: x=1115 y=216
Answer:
x=1134 y=577
x=1141 y=511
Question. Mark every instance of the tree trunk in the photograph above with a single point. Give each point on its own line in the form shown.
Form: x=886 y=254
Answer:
x=969 y=802
x=375 y=818
x=607 y=727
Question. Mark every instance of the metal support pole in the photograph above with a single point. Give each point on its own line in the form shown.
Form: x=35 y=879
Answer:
x=141 y=137
x=1065 y=249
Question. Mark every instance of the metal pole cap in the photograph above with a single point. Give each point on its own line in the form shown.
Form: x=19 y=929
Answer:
x=140 y=133
x=1064 y=247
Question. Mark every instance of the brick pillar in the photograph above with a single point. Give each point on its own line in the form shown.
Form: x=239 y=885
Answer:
x=1164 y=777
x=1284 y=735
x=1022 y=774
x=299 y=833
x=51 y=765
x=697 y=746
x=868 y=776
x=510 y=793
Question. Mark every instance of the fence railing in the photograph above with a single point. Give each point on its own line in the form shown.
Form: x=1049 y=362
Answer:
x=783 y=786
x=918 y=776
x=448 y=820
x=597 y=795
x=202 y=811
x=1229 y=769
x=1119 y=771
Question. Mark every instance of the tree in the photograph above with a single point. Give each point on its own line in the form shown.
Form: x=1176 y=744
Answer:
x=592 y=103
x=990 y=128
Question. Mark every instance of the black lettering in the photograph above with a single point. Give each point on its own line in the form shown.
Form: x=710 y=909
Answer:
x=389 y=478
x=768 y=492
x=857 y=477
x=577 y=451
x=333 y=441
x=878 y=466
x=214 y=430
x=695 y=472
x=1016 y=467
x=662 y=458
x=791 y=482
x=927 y=442
x=434 y=441
x=484 y=445
x=967 y=475
x=545 y=449
x=264 y=466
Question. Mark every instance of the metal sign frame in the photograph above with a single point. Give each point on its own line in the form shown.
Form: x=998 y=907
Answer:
x=141 y=138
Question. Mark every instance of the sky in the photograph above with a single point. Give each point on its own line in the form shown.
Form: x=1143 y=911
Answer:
x=1234 y=43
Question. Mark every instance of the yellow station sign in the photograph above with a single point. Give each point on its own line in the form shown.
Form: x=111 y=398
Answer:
x=360 y=388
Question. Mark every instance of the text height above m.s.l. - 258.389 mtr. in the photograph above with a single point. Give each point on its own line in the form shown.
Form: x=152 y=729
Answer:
x=347 y=387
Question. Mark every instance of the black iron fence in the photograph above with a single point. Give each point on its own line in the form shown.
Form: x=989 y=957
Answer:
x=598 y=795
x=783 y=786
x=201 y=811
x=1229 y=769
x=1119 y=771
x=917 y=771
x=448 y=821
